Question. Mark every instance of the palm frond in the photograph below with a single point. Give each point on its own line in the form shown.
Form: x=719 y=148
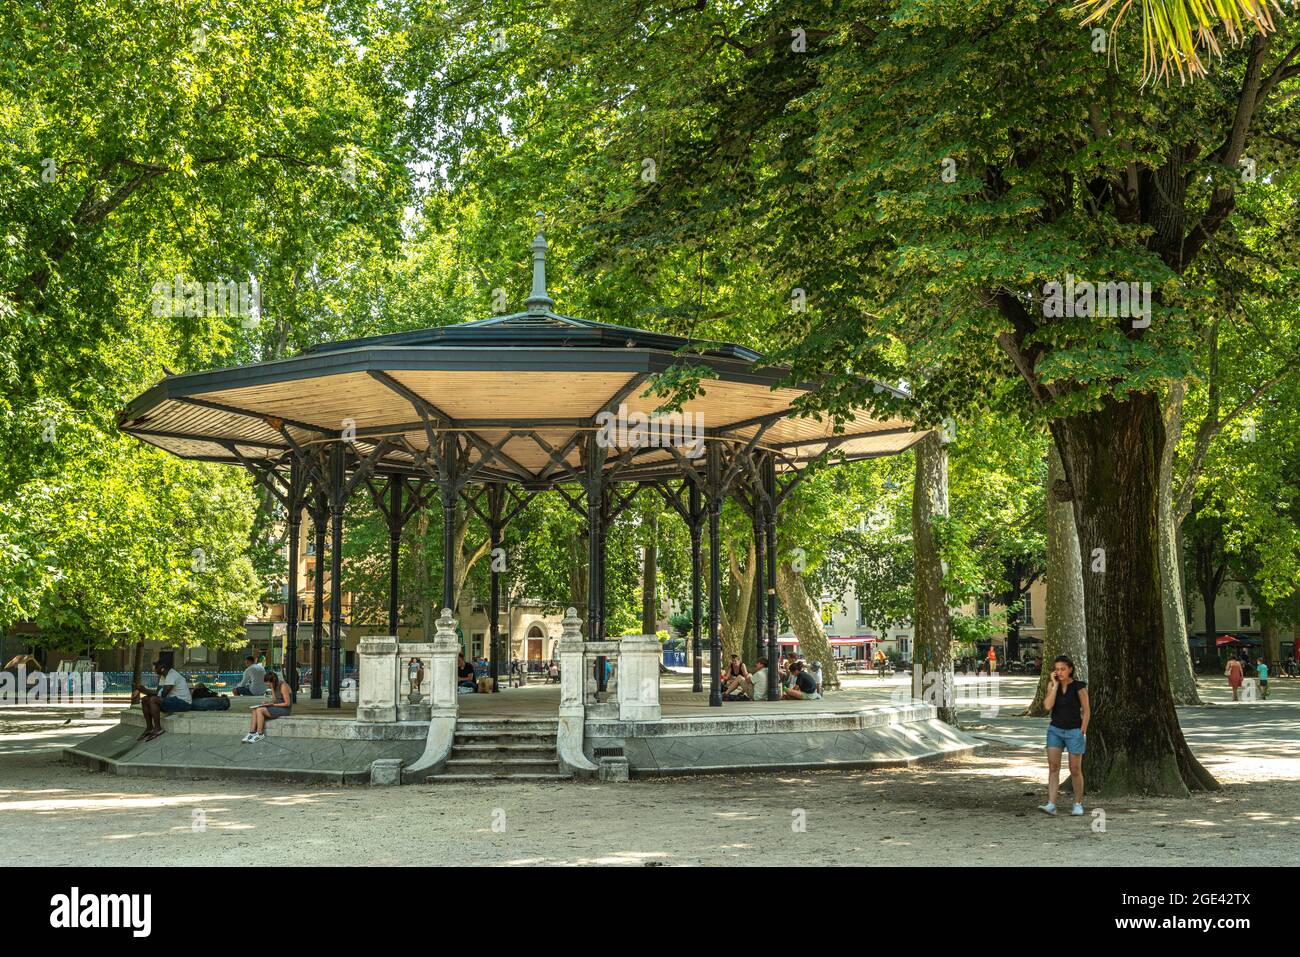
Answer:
x=1179 y=35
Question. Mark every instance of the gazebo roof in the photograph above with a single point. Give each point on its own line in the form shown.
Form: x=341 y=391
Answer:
x=520 y=392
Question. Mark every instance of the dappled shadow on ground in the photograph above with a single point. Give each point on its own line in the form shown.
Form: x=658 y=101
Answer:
x=977 y=809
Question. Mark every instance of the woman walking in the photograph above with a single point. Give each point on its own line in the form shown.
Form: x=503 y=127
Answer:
x=280 y=707
x=1233 y=674
x=1067 y=730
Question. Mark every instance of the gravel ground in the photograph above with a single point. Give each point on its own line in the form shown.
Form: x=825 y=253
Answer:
x=977 y=810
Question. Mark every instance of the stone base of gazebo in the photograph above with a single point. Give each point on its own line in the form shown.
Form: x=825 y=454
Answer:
x=635 y=726
x=314 y=746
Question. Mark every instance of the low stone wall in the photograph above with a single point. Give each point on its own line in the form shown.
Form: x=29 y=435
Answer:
x=340 y=751
x=875 y=738
x=208 y=745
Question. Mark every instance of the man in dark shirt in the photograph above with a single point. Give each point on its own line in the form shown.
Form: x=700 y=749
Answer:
x=464 y=672
x=805 y=685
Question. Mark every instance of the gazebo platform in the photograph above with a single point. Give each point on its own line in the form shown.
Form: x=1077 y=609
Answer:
x=850 y=729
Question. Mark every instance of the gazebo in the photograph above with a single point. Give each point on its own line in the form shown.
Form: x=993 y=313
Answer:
x=495 y=411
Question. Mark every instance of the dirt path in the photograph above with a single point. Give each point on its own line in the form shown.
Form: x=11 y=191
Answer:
x=978 y=810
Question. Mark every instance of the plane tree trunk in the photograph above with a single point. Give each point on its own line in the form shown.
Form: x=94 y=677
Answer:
x=1178 y=654
x=1111 y=459
x=1064 y=632
x=932 y=673
x=806 y=621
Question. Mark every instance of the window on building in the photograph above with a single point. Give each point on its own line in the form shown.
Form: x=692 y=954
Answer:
x=1027 y=613
x=1243 y=616
x=861 y=620
x=904 y=646
x=478 y=645
x=982 y=607
x=828 y=613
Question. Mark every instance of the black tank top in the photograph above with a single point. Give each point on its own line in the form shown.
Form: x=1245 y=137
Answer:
x=1067 y=712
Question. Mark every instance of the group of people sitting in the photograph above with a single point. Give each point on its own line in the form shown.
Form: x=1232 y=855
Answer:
x=174 y=695
x=797 y=680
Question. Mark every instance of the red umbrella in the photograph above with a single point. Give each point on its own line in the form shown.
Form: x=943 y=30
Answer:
x=1224 y=640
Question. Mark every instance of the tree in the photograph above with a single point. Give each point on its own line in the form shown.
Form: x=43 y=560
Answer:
x=1064 y=631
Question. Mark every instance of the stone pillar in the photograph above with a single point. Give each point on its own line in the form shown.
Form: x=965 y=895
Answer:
x=422 y=654
x=440 y=678
x=443 y=652
x=377 y=679
x=638 y=678
x=573 y=712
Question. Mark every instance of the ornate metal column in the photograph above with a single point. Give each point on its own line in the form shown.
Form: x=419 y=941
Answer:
x=448 y=490
x=338 y=499
x=294 y=506
x=496 y=501
x=696 y=524
x=394 y=550
x=714 y=495
x=769 y=524
x=319 y=511
x=594 y=481
x=760 y=578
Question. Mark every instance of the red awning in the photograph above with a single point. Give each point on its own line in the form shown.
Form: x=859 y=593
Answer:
x=1225 y=640
x=856 y=640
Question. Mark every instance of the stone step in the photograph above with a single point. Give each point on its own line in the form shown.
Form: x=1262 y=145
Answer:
x=504 y=737
x=490 y=778
x=502 y=765
x=488 y=727
x=498 y=748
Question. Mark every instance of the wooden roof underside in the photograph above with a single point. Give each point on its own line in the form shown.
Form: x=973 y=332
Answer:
x=525 y=417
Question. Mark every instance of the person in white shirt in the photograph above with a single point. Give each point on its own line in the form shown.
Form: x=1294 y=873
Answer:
x=173 y=695
x=758 y=679
x=254 y=680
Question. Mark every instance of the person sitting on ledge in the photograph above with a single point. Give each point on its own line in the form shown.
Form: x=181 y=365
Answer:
x=254 y=680
x=280 y=707
x=734 y=679
x=464 y=674
x=173 y=695
x=805 y=686
x=758 y=680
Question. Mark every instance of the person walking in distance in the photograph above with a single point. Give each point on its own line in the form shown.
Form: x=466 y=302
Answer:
x=1233 y=673
x=1067 y=730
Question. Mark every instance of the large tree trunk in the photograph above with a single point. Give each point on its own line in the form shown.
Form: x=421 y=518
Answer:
x=1268 y=635
x=1112 y=462
x=1013 y=630
x=738 y=604
x=806 y=620
x=421 y=577
x=1178 y=653
x=932 y=674
x=650 y=579
x=578 y=573
x=465 y=560
x=137 y=667
x=1064 y=632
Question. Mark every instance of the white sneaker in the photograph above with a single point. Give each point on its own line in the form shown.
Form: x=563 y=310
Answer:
x=246 y=738
x=256 y=737
x=1048 y=808
x=1078 y=811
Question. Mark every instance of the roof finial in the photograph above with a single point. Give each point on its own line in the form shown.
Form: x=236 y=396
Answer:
x=539 y=302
